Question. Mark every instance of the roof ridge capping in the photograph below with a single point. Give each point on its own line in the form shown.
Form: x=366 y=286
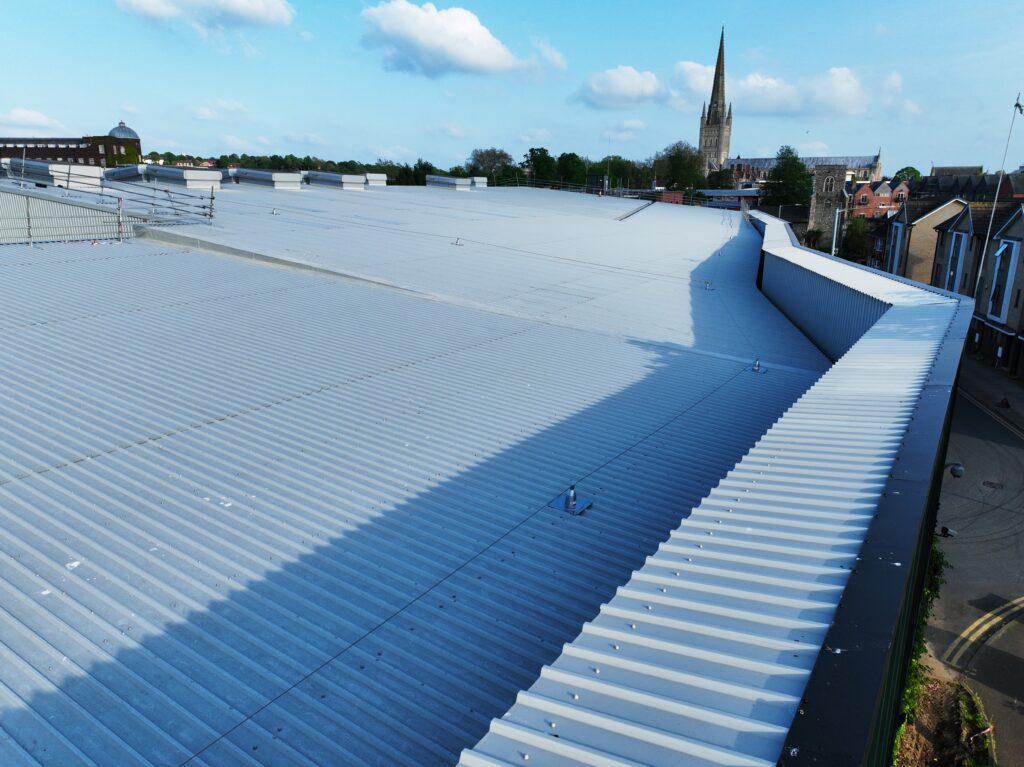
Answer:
x=670 y=676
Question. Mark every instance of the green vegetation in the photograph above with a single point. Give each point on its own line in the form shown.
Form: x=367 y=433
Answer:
x=909 y=173
x=812 y=238
x=933 y=580
x=855 y=245
x=677 y=166
x=721 y=179
x=974 y=723
x=789 y=182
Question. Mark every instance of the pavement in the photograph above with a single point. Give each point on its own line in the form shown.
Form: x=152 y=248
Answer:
x=977 y=627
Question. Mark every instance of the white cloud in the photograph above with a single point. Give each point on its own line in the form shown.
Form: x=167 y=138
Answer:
x=892 y=96
x=892 y=83
x=697 y=77
x=549 y=54
x=305 y=35
x=764 y=94
x=835 y=91
x=215 y=12
x=535 y=135
x=27 y=118
x=453 y=130
x=621 y=88
x=813 y=149
x=215 y=109
x=395 y=153
x=624 y=131
x=129 y=109
x=757 y=92
x=424 y=40
x=311 y=139
x=838 y=91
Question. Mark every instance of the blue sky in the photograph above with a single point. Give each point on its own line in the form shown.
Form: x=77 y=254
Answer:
x=343 y=79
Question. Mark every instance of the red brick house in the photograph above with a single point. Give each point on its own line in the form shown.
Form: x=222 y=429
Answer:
x=875 y=199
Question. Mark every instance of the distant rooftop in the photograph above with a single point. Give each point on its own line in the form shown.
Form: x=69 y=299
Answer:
x=956 y=170
x=764 y=163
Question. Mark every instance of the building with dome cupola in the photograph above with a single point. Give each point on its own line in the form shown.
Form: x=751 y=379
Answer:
x=120 y=146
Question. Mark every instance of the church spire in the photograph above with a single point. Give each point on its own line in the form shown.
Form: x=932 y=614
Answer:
x=716 y=123
x=718 y=89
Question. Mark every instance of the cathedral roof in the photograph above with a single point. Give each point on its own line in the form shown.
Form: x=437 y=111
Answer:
x=850 y=161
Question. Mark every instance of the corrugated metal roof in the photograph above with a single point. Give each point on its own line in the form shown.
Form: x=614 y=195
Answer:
x=263 y=515
x=531 y=253
x=702 y=657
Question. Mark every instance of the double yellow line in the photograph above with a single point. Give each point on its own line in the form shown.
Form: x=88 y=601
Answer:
x=980 y=628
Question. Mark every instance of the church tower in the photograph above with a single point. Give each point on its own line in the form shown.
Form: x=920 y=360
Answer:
x=716 y=118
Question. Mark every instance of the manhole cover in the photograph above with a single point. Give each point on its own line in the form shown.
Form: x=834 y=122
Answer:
x=993 y=485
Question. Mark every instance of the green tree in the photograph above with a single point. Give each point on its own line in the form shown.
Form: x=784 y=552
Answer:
x=421 y=169
x=488 y=162
x=679 y=166
x=458 y=171
x=572 y=169
x=789 y=182
x=540 y=164
x=721 y=179
x=909 y=173
x=855 y=241
x=812 y=238
x=620 y=171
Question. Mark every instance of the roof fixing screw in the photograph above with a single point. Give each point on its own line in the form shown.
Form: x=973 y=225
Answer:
x=757 y=365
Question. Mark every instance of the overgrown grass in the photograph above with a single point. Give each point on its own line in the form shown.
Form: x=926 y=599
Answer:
x=973 y=722
x=934 y=578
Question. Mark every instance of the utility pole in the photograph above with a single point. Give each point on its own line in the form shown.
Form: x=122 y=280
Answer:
x=1017 y=107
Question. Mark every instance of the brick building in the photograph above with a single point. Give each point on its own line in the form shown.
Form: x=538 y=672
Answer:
x=121 y=146
x=875 y=199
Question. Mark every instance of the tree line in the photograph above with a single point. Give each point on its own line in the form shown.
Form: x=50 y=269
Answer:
x=677 y=166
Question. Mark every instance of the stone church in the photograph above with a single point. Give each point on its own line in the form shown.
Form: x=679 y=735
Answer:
x=716 y=118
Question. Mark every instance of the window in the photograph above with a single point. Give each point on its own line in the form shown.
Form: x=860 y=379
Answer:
x=955 y=262
x=1004 y=267
x=829 y=186
x=895 y=243
x=876 y=214
x=863 y=199
x=103 y=149
x=900 y=197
